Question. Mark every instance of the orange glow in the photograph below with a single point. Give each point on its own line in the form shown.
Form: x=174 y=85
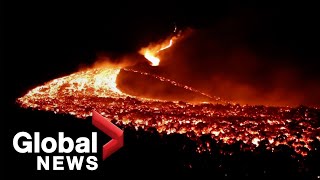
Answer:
x=96 y=88
x=151 y=53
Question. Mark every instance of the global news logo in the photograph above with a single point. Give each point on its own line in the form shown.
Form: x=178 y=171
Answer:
x=66 y=145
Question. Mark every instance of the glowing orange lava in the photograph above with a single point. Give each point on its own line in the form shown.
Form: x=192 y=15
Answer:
x=96 y=88
x=79 y=93
x=99 y=82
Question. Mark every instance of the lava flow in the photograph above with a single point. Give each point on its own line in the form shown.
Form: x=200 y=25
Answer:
x=96 y=88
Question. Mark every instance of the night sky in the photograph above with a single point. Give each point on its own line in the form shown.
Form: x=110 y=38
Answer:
x=250 y=53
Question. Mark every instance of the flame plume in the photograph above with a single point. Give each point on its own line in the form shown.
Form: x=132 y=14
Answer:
x=151 y=53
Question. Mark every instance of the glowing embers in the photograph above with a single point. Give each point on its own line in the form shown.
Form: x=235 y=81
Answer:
x=253 y=125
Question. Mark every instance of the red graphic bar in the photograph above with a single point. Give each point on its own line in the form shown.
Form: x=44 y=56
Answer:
x=111 y=130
